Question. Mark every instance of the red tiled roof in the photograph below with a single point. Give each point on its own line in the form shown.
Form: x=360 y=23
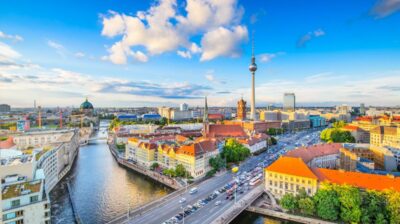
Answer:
x=215 y=116
x=291 y=166
x=361 y=180
x=198 y=148
x=308 y=153
x=221 y=130
x=146 y=145
x=350 y=127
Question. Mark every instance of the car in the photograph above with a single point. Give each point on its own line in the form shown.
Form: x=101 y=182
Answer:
x=193 y=190
x=182 y=200
x=217 y=203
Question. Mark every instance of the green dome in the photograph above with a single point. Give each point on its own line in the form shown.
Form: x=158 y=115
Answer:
x=86 y=105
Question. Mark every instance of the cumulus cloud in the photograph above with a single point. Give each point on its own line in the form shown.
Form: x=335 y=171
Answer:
x=15 y=38
x=7 y=54
x=166 y=27
x=223 y=42
x=309 y=36
x=384 y=8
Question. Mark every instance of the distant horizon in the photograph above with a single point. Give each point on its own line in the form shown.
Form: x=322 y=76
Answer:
x=166 y=52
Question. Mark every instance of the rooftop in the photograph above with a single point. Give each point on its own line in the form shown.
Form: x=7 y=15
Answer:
x=311 y=152
x=16 y=190
x=361 y=180
x=291 y=166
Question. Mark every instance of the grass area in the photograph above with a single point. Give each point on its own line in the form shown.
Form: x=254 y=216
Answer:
x=3 y=138
x=15 y=190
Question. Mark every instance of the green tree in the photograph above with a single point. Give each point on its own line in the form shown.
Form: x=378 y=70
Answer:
x=350 y=203
x=154 y=166
x=289 y=202
x=393 y=206
x=234 y=152
x=327 y=203
x=307 y=206
x=217 y=163
x=338 y=124
x=273 y=141
x=180 y=171
x=373 y=207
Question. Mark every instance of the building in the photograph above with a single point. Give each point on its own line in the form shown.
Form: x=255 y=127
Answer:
x=385 y=136
x=256 y=142
x=127 y=117
x=24 y=201
x=87 y=108
x=255 y=126
x=323 y=155
x=382 y=158
x=362 y=109
x=361 y=135
x=151 y=117
x=241 y=110
x=184 y=107
x=295 y=125
x=288 y=175
x=5 y=108
x=343 y=109
x=317 y=121
x=174 y=114
x=289 y=102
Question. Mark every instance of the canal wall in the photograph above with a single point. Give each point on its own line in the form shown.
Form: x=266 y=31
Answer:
x=170 y=182
x=73 y=206
x=286 y=216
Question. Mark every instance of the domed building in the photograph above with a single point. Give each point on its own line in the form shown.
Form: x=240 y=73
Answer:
x=87 y=107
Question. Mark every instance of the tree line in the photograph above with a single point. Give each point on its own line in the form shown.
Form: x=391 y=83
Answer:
x=336 y=134
x=348 y=204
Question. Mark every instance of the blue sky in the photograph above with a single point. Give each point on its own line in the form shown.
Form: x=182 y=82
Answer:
x=137 y=53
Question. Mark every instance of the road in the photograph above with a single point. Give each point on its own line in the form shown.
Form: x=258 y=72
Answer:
x=210 y=211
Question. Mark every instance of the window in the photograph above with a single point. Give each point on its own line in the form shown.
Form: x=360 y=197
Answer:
x=46 y=214
x=15 y=203
x=34 y=198
x=8 y=216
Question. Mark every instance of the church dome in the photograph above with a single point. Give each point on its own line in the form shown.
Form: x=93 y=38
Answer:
x=86 y=105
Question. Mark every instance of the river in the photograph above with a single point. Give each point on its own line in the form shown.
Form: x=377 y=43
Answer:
x=102 y=189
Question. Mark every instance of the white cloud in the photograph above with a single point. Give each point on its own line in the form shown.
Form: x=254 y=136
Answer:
x=210 y=77
x=302 y=41
x=15 y=38
x=164 y=27
x=55 y=45
x=79 y=54
x=266 y=57
x=7 y=53
x=139 y=56
x=223 y=42
x=184 y=54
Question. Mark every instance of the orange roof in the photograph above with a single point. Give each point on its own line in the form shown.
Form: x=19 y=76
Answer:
x=215 y=116
x=180 y=138
x=146 y=145
x=197 y=148
x=311 y=152
x=350 y=127
x=291 y=166
x=361 y=180
x=221 y=130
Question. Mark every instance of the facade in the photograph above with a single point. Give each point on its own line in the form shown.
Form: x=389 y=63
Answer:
x=385 y=136
x=184 y=107
x=241 y=110
x=174 y=114
x=24 y=202
x=362 y=109
x=317 y=121
x=288 y=175
x=289 y=102
x=294 y=125
x=5 y=108
x=256 y=142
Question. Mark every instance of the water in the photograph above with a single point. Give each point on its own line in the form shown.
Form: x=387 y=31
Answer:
x=101 y=188
x=251 y=218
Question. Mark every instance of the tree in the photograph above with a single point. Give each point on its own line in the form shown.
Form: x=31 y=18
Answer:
x=169 y=172
x=217 y=163
x=373 y=207
x=307 y=206
x=273 y=141
x=154 y=166
x=234 y=152
x=327 y=203
x=180 y=171
x=350 y=203
x=338 y=124
x=289 y=202
x=393 y=205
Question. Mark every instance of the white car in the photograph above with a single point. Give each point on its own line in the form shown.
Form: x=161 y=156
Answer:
x=217 y=203
x=183 y=200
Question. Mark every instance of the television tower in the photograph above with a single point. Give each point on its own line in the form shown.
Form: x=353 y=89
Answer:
x=253 y=69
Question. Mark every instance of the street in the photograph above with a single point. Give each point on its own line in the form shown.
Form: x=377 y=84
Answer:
x=208 y=212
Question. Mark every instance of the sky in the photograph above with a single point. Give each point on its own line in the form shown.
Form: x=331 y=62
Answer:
x=130 y=53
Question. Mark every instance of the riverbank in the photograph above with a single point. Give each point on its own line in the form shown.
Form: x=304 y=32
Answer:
x=170 y=182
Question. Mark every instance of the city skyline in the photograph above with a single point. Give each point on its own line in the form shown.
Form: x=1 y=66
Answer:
x=117 y=54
